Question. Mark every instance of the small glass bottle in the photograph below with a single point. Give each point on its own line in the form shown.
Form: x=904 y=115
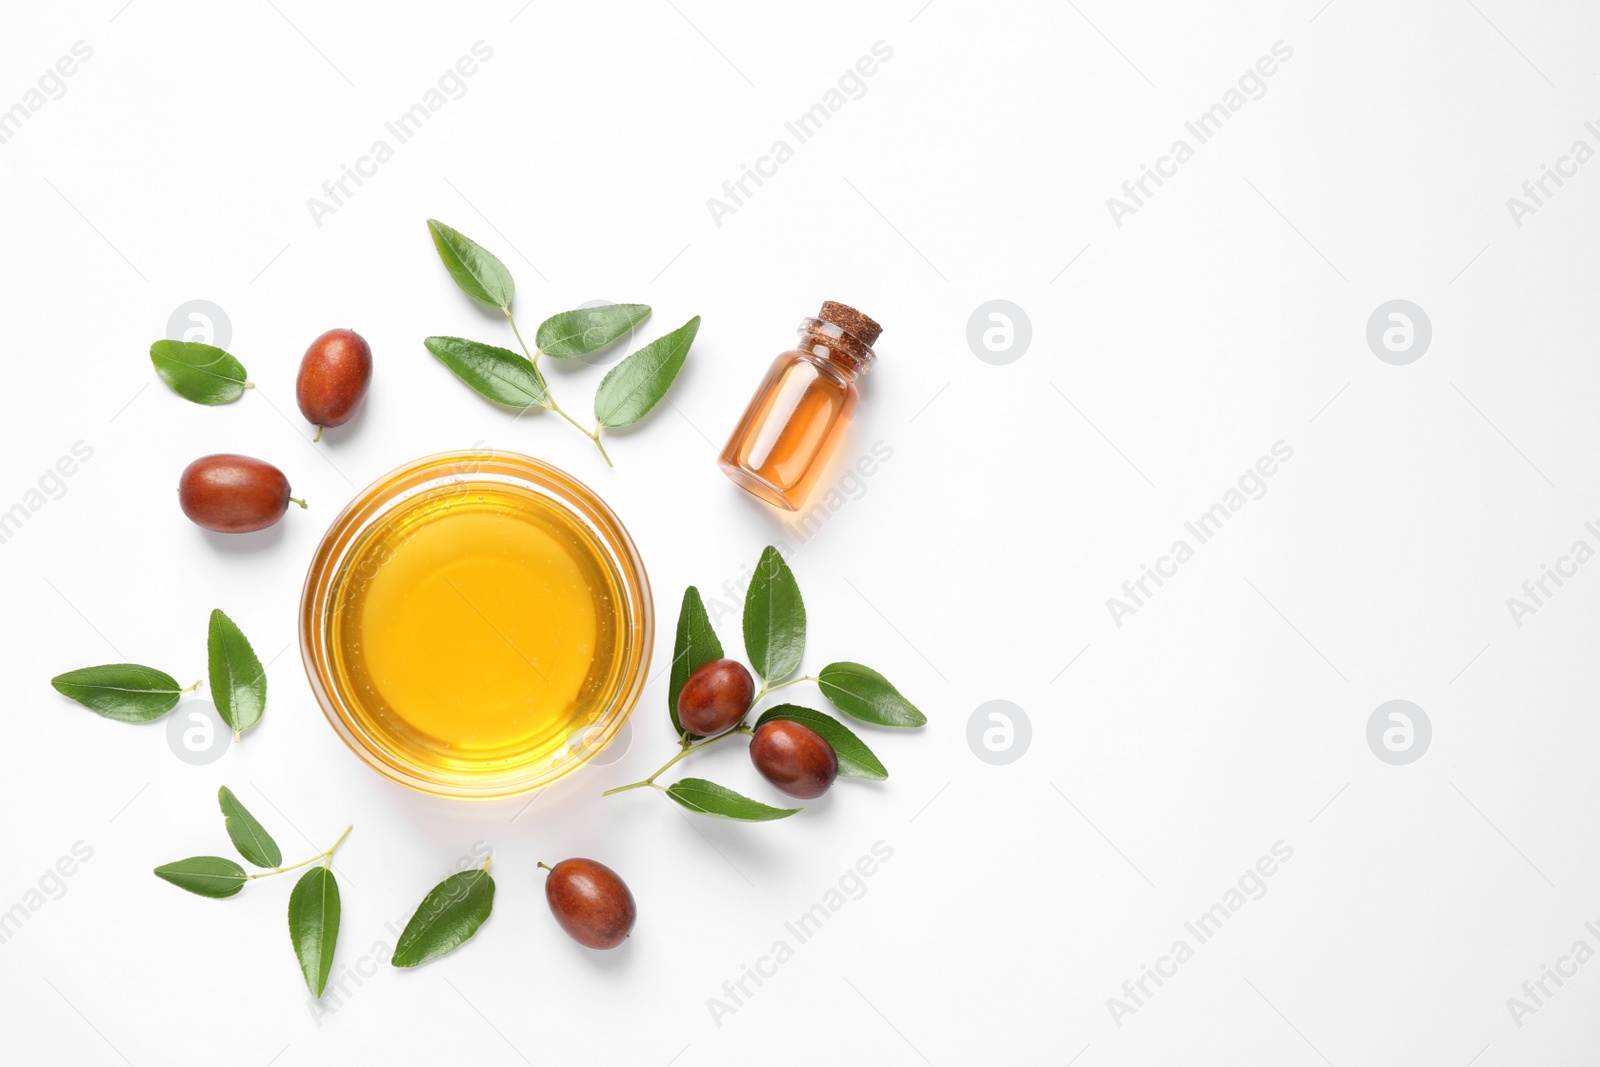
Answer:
x=781 y=446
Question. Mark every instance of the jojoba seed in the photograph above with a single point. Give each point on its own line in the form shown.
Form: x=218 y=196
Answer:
x=233 y=494
x=590 y=902
x=715 y=697
x=334 y=375
x=794 y=758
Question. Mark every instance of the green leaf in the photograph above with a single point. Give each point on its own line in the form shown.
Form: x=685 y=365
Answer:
x=248 y=835
x=314 y=925
x=709 y=798
x=126 y=692
x=497 y=373
x=585 y=330
x=855 y=758
x=475 y=269
x=446 y=919
x=238 y=684
x=209 y=876
x=774 y=619
x=202 y=373
x=696 y=645
x=863 y=693
x=631 y=388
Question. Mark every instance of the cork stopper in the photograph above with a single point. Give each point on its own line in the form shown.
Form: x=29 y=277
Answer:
x=850 y=321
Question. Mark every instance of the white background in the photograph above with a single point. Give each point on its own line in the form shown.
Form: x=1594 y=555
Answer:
x=1228 y=714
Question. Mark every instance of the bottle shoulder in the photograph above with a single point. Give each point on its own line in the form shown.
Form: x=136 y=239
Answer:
x=805 y=361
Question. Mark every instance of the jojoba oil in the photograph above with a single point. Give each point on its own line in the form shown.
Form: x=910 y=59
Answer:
x=780 y=449
x=479 y=627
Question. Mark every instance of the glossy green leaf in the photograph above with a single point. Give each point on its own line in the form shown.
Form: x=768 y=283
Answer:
x=497 y=373
x=863 y=693
x=446 y=919
x=238 y=683
x=314 y=925
x=631 y=388
x=774 y=619
x=695 y=646
x=476 y=270
x=709 y=798
x=855 y=758
x=208 y=876
x=202 y=373
x=585 y=330
x=126 y=692
x=247 y=834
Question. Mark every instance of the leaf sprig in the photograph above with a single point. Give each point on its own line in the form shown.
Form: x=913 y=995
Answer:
x=132 y=692
x=774 y=640
x=627 y=393
x=313 y=904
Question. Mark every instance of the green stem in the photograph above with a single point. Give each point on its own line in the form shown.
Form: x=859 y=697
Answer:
x=767 y=687
x=595 y=437
x=533 y=357
x=651 y=781
x=192 y=688
x=550 y=401
x=297 y=500
x=317 y=438
x=325 y=857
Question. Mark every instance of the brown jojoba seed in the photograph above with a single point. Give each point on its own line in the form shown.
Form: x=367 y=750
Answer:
x=334 y=375
x=794 y=758
x=715 y=697
x=592 y=904
x=233 y=494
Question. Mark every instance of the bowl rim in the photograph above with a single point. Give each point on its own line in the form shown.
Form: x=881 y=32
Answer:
x=466 y=467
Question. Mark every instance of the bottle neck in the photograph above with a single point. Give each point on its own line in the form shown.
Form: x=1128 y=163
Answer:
x=823 y=338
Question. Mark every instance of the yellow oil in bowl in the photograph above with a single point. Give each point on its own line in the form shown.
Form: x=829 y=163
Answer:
x=480 y=633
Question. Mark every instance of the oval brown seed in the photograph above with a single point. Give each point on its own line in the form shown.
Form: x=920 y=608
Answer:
x=794 y=758
x=334 y=375
x=592 y=904
x=715 y=697
x=230 y=493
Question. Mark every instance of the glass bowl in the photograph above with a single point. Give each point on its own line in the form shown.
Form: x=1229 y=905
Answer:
x=355 y=550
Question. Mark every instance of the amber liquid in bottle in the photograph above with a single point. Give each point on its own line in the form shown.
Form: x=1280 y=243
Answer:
x=781 y=446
